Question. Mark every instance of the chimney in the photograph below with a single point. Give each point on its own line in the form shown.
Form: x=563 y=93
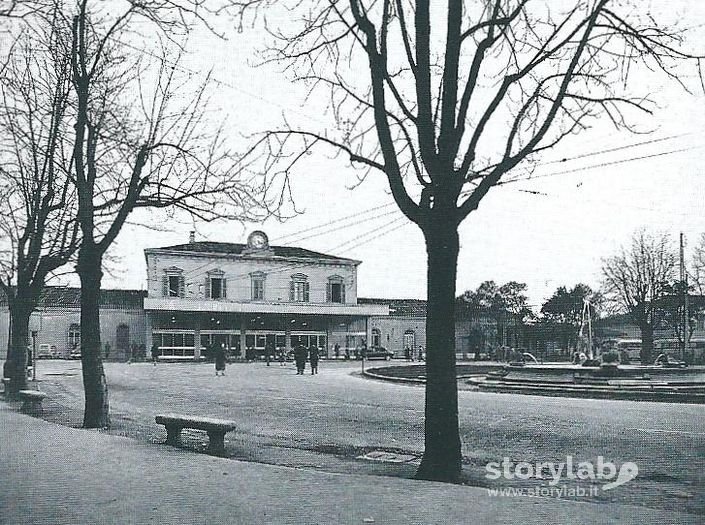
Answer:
x=192 y=237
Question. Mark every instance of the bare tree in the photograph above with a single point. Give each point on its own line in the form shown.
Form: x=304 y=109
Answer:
x=38 y=233
x=697 y=266
x=454 y=98
x=139 y=145
x=638 y=279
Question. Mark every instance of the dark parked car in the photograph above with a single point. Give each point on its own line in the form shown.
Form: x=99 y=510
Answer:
x=378 y=352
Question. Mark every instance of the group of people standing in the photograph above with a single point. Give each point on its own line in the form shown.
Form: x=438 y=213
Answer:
x=301 y=354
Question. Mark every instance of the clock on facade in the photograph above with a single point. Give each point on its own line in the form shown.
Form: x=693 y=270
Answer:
x=258 y=240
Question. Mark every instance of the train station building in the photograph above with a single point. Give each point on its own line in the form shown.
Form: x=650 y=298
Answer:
x=252 y=296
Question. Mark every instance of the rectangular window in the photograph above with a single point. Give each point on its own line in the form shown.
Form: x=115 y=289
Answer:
x=300 y=291
x=174 y=286
x=257 y=289
x=337 y=293
x=250 y=341
x=216 y=284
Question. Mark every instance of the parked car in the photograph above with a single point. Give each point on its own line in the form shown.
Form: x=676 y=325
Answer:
x=47 y=351
x=378 y=352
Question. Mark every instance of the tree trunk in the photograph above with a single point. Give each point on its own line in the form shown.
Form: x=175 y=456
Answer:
x=442 y=458
x=647 y=344
x=96 y=413
x=16 y=364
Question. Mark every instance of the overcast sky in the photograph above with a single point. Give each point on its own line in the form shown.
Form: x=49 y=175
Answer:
x=550 y=231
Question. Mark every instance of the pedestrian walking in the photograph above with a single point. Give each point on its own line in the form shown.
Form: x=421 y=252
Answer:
x=282 y=356
x=268 y=352
x=300 y=358
x=155 y=353
x=219 y=356
x=336 y=349
x=347 y=353
x=313 y=358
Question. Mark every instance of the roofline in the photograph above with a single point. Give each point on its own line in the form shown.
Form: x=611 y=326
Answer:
x=328 y=260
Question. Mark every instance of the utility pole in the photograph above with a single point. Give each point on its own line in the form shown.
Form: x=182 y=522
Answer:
x=684 y=284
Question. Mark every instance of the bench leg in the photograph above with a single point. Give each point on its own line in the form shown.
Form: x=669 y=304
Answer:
x=173 y=435
x=216 y=442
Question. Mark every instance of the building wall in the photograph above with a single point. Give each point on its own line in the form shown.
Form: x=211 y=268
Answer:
x=392 y=330
x=52 y=325
x=237 y=274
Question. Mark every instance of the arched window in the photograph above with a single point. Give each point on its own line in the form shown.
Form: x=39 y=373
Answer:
x=376 y=337
x=74 y=336
x=122 y=337
x=409 y=339
x=336 y=289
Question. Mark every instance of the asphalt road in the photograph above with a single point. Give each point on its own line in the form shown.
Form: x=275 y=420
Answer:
x=327 y=421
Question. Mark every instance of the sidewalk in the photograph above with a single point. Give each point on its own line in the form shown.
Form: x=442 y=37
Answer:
x=58 y=475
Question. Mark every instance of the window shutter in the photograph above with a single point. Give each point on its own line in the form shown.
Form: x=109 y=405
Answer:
x=342 y=293
x=224 y=291
x=291 y=291
x=328 y=292
x=306 y=292
x=208 y=288
x=182 y=286
x=165 y=285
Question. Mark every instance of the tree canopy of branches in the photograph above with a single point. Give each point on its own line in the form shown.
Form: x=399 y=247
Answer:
x=138 y=139
x=564 y=311
x=675 y=315
x=697 y=266
x=38 y=233
x=637 y=279
x=504 y=304
x=446 y=100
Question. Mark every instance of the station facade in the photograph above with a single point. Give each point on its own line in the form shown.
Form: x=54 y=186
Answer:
x=252 y=296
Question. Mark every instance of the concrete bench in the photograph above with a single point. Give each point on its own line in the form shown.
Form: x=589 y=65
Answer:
x=216 y=429
x=31 y=400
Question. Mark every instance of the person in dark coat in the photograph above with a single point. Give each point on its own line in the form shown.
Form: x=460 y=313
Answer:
x=300 y=358
x=313 y=358
x=268 y=352
x=219 y=356
x=282 y=357
x=155 y=353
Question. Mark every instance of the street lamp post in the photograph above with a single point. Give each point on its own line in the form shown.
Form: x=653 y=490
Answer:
x=34 y=355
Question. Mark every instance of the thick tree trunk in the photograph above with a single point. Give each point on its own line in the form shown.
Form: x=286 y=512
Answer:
x=442 y=459
x=97 y=412
x=16 y=365
x=647 y=344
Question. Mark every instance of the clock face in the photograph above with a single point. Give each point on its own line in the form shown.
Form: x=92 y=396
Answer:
x=258 y=240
